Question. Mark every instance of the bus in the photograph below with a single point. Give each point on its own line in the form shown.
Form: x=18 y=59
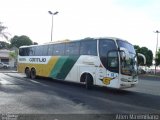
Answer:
x=108 y=61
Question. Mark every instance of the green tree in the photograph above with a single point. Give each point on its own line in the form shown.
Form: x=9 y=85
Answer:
x=13 y=54
x=35 y=43
x=136 y=47
x=2 y=31
x=18 y=41
x=148 y=54
x=4 y=45
x=157 y=60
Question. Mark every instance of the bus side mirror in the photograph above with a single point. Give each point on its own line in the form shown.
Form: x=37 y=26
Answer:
x=124 y=53
x=144 y=58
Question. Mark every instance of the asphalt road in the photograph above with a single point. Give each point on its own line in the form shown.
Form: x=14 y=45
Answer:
x=19 y=95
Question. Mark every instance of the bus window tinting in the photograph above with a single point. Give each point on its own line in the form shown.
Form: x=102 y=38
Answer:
x=31 y=51
x=112 y=64
x=27 y=51
x=113 y=59
x=38 y=50
x=126 y=45
x=50 y=49
x=21 y=52
x=88 y=47
x=105 y=45
x=45 y=50
x=59 y=49
x=72 y=48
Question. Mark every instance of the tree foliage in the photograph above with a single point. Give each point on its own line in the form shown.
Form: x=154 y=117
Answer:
x=2 y=31
x=148 y=54
x=157 y=60
x=18 y=41
x=13 y=54
x=4 y=45
x=35 y=43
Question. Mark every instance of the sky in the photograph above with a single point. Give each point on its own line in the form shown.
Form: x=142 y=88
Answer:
x=131 y=20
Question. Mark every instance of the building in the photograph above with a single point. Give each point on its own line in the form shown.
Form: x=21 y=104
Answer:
x=6 y=58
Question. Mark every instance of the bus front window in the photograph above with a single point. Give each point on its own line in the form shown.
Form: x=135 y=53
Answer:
x=129 y=65
x=108 y=52
x=112 y=63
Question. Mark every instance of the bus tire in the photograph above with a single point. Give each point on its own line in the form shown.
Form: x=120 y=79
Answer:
x=27 y=72
x=33 y=73
x=88 y=81
x=5 y=67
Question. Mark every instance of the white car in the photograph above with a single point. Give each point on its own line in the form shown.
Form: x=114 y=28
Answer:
x=3 y=65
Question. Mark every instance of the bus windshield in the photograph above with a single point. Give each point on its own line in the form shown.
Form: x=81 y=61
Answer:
x=126 y=45
x=128 y=67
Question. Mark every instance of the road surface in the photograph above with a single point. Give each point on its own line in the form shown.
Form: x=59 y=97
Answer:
x=19 y=95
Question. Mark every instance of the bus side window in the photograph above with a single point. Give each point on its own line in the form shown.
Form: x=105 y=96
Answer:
x=31 y=51
x=106 y=45
x=27 y=51
x=22 y=51
x=59 y=49
x=112 y=59
x=50 y=49
x=72 y=48
x=45 y=50
x=38 y=50
x=88 y=47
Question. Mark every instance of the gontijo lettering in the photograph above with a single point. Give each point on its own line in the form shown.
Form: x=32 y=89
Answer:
x=37 y=59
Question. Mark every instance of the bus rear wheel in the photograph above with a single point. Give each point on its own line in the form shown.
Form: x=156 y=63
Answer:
x=88 y=81
x=27 y=72
x=33 y=73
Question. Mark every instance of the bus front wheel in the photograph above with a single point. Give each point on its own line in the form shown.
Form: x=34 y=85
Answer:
x=88 y=81
x=33 y=73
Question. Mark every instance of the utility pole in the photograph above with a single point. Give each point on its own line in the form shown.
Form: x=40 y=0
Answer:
x=51 y=13
x=156 y=48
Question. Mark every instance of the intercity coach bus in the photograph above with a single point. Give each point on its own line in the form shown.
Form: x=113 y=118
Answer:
x=110 y=62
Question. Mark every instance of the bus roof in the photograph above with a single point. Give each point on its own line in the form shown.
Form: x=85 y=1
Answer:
x=67 y=40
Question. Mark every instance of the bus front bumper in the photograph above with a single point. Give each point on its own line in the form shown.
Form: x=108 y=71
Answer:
x=125 y=84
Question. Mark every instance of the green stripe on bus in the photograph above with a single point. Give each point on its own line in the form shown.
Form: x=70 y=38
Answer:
x=63 y=67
